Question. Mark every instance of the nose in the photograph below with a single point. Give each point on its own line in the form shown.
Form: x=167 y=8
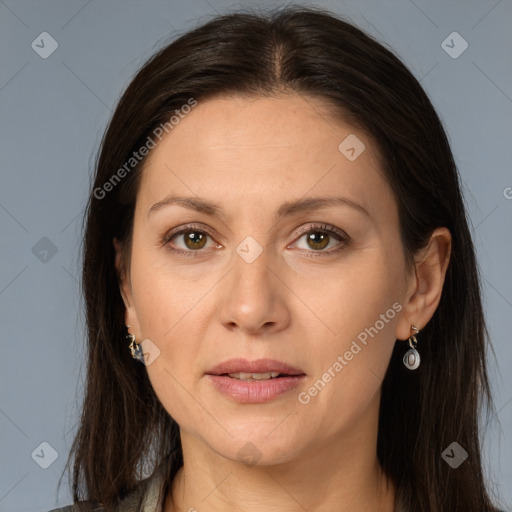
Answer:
x=253 y=298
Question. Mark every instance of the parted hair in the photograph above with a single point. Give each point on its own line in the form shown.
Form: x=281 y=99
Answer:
x=124 y=431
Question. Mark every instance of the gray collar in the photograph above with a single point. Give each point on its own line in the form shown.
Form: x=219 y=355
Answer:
x=153 y=499
x=148 y=496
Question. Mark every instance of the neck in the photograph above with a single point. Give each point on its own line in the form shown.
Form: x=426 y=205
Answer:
x=339 y=473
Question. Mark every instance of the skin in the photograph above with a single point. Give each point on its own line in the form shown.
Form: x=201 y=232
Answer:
x=295 y=302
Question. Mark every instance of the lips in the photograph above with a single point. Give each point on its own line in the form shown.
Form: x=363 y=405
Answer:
x=239 y=366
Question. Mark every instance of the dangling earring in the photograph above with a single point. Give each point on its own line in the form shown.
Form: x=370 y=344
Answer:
x=135 y=349
x=412 y=356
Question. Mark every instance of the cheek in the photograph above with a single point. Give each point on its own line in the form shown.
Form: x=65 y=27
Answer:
x=354 y=295
x=350 y=369
x=171 y=314
x=174 y=312
x=361 y=306
x=165 y=296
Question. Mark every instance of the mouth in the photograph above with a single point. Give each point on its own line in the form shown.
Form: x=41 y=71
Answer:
x=247 y=377
x=255 y=381
x=255 y=390
x=260 y=369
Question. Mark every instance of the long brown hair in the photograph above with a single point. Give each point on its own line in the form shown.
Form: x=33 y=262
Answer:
x=124 y=431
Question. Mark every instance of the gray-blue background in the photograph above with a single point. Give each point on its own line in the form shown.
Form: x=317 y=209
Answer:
x=53 y=112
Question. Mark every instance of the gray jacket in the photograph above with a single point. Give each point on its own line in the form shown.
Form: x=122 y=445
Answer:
x=148 y=496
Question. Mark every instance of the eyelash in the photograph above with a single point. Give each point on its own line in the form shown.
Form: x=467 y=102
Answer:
x=341 y=236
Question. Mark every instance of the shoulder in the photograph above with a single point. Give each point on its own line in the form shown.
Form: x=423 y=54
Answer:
x=81 y=506
x=146 y=497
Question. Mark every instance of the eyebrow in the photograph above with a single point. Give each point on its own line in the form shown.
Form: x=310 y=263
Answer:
x=286 y=209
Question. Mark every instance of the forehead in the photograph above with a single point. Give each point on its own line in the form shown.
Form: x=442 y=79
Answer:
x=264 y=150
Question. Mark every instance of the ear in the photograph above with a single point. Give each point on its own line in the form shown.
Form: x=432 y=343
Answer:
x=425 y=284
x=123 y=276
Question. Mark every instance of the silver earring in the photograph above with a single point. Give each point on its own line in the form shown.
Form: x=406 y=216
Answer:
x=412 y=356
x=135 y=349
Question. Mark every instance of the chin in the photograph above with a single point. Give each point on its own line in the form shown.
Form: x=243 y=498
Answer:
x=257 y=447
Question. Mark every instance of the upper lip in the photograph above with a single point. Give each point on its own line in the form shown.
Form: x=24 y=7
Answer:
x=257 y=366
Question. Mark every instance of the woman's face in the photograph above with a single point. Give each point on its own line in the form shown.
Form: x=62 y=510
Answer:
x=285 y=246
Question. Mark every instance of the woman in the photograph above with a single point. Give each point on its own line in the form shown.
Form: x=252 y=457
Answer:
x=283 y=303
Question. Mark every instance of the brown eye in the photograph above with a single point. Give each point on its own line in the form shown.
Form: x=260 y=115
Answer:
x=194 y=239
x=189 y=240
x=317 y=240
x=321 y=239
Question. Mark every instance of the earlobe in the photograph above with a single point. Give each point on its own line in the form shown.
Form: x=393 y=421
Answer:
x=426 y=282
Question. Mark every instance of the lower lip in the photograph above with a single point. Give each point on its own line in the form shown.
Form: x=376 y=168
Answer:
x=255 y=391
